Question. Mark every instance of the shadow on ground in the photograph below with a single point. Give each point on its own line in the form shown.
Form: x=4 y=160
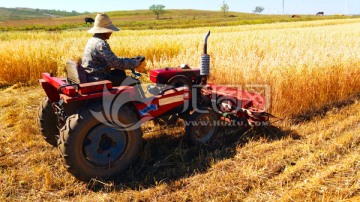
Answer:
x=167 y=158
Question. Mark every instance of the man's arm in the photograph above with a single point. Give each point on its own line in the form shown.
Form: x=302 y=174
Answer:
x=114 y=62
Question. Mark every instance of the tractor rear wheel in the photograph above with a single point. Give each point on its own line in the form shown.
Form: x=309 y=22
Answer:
x=47 y=122
x=202 y=127
x=91 y=148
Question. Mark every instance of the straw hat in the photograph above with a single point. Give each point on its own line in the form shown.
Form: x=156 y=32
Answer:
x=103 y=24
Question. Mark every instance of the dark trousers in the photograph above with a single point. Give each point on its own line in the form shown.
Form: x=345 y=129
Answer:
x=117 y=77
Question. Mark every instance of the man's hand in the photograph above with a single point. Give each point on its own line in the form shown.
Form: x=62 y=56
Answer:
x=140 y=58
x=142 y=62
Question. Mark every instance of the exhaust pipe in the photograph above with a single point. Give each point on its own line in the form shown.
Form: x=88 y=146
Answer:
x=205 y=42
x=205 y=62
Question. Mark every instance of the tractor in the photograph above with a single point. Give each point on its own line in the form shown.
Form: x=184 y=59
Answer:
x=97 y=126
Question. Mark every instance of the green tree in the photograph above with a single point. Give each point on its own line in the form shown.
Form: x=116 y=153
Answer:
x=259 y=9
x=157 y=10
x=224 y=8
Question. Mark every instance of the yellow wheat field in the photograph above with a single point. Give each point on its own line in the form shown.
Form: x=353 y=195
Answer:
x=306 y=64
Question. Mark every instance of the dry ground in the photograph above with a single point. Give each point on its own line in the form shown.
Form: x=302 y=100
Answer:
x=312 y=158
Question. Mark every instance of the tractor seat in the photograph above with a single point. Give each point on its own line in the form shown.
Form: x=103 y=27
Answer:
x=75 y=72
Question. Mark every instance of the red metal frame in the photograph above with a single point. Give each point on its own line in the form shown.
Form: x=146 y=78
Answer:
x=114 y=91
x=165 y=102
x=162 y=103
x=93 y=87
x=249 y=99
x=50 y=90
x=57 y=83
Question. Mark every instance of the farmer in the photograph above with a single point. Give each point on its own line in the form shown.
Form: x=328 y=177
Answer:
x=99 y=62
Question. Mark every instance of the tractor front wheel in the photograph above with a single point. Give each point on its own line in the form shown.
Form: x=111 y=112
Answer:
x=202 y=127
x=93 y=149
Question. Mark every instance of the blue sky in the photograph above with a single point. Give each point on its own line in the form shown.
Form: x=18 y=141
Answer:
x=271 y=6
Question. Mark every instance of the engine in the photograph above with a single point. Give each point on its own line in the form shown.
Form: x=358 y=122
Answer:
x=176 y=76
x=184 y=75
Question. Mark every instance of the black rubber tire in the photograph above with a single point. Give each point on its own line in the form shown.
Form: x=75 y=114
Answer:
x=75 y=140
x=47 y=122
x=196 y=124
